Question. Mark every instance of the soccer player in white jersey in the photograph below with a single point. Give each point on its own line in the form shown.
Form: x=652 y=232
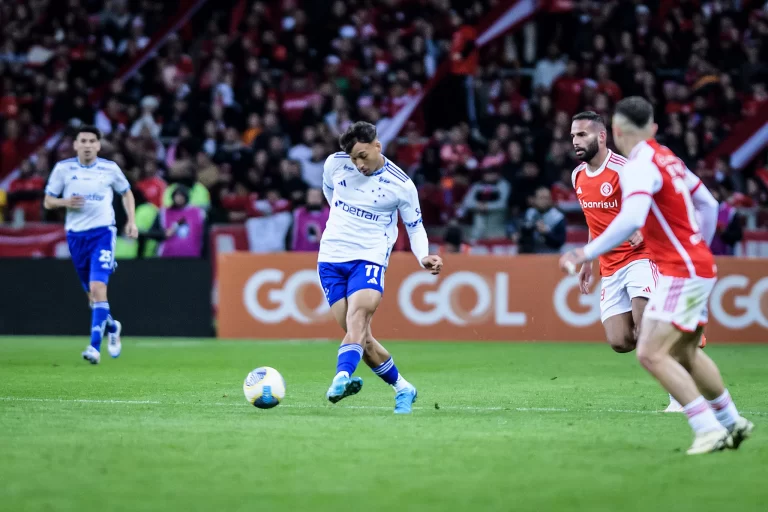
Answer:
x=83 y=185
x=366 y=191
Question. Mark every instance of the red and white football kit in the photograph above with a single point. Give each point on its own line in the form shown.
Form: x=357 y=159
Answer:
x=626 y=271
x=663 y=197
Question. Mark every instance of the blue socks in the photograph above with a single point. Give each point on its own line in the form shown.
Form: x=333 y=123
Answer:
x=348 y=358
x=111 y=325
x=387 y=371
x=99 y=316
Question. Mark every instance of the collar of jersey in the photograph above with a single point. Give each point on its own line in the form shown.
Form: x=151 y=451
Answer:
x=383 y=167
x=86 y=166
x=600 y=169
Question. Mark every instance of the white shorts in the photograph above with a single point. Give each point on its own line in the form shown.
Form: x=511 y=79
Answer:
x=681 y=301
x=638 y=279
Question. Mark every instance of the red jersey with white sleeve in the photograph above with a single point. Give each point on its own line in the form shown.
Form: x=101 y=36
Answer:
x=671 y=231
x=600 y=197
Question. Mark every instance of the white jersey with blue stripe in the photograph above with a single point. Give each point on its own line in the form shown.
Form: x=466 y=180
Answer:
x=363 y=220
x=93 y=182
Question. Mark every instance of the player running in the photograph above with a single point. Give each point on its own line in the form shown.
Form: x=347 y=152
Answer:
x=656 y=196
x=83 y=185
x=626 y=271
x=627 y=274
x=365 y=191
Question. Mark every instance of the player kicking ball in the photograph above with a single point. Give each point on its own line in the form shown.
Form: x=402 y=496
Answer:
x=628 y=276
x=366 y=191
x=656 y=196
x=83 y=185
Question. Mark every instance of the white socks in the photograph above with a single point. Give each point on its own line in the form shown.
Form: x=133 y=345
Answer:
x=701 y=417
x=724 y=409
x=401 y=384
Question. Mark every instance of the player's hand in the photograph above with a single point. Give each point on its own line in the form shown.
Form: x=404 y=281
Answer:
x=572 y=259
x=74 y=202
x=636 y=238
x=585 y=278
x=542 y=227
x=131 y=231
x=433 y=263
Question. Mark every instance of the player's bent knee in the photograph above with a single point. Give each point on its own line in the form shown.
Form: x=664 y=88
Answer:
x=623 y=345
x=649 y=357
x=98 y=291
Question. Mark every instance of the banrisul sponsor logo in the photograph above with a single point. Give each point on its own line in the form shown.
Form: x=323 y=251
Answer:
x=599 y=204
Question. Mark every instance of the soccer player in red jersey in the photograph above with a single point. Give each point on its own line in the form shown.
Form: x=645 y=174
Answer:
x=661 y=196
x=628 y=276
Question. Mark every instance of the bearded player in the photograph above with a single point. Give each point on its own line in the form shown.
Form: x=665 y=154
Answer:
x=628 y=276
x=662 y=196
x=366 y=191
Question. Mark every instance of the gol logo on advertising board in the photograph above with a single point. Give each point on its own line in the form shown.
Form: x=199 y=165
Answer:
x=466 y=298
x=736 y=303
x=479 y=298
x=287 y=298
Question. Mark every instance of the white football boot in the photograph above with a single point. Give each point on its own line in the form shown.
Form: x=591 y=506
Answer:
x=709 y=442
x=91 y=355
x=115 y=346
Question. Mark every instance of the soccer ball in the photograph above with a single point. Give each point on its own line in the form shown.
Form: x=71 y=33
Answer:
x=264 y=387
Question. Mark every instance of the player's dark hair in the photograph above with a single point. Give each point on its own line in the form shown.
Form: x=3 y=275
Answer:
x=358 y=132
x=636 y=110
x=589 y=116
x=87 y=128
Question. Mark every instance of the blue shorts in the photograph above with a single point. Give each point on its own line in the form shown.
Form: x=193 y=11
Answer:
x=340 y=280
x=93 y=253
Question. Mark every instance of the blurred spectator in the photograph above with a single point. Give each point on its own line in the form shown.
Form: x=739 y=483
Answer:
x=486 y=201
x=25 y=194
x=312 y=167
x=453 y=239
x=309 y=222
x=548 y=69
x=542 y=229
x=184 y=227
x=244 y=114
x=729 y=230
x=151 y=184
x=563 y=194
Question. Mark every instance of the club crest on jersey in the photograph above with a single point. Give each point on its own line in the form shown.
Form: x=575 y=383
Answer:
x=606 y=189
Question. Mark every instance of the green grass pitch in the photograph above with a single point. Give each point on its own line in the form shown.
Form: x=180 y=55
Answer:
x=498 y=427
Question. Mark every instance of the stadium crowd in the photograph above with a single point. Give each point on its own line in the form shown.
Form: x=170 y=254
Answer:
x=239 y=114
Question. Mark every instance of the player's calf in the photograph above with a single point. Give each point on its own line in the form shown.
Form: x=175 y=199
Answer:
x=360 y=309
x=382 y=364
x=99 y=313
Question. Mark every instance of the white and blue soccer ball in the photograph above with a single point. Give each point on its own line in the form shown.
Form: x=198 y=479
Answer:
x=264 y=387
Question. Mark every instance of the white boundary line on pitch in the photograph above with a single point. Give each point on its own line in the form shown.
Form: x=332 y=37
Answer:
x=363 y=407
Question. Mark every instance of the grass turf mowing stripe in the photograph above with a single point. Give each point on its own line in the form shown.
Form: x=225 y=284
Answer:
x=362 y=407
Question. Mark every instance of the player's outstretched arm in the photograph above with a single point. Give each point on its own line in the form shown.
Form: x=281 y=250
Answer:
x=410 y=211
x=633 y=214
x=129 y=203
